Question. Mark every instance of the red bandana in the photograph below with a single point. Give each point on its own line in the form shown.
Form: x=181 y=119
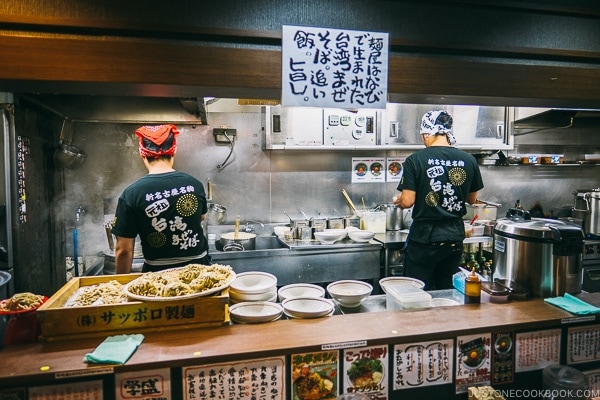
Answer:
x=157 y=134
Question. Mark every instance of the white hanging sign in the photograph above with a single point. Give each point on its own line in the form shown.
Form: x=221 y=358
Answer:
x=323 y=67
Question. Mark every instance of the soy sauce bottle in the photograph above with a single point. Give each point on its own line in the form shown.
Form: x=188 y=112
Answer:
x=472 y=288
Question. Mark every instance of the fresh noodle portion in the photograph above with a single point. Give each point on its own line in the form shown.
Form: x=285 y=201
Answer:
x=189 y=280
x=110 y=292
x=22 y=301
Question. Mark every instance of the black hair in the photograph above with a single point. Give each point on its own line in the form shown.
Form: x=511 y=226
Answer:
x=444 y=119
x=166 y=145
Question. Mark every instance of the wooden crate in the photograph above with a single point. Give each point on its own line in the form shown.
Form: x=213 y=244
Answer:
x=59 y=322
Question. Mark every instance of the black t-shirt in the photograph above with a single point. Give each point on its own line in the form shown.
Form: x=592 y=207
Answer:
x=442 y=177
x=165 y=210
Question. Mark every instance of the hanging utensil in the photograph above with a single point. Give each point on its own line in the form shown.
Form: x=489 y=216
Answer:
x=349 y=201
x=65 y=155
x=236 y=232
x=363 y=204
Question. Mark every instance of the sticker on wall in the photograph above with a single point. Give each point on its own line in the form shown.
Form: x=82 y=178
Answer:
x=423 y=364
x=143 y=385
x=341 y=68
x=472 y=361
x=315 y=375
x=394 y=169
x=366 y=371
x=536 y=350
x=368 y=170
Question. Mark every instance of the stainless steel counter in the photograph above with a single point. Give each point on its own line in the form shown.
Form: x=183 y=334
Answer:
x=304 y=262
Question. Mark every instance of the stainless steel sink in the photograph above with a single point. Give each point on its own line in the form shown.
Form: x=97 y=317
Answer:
x=268 y=242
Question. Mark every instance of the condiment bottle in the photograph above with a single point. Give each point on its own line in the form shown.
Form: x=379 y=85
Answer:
x=472 y=288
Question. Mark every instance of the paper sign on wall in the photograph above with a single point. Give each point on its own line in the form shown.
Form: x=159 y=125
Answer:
x=536 y=350
x=472 y=361
x=394 y=169
x=252 y=379
x=423 y=364
x=324 y=67
x=143 y=385
x=368 y=170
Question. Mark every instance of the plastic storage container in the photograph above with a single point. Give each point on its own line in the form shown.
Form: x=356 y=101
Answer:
x=563 y=382
x=406 y=297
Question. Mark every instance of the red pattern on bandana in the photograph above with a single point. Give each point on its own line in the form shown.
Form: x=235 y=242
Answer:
x=157 y=134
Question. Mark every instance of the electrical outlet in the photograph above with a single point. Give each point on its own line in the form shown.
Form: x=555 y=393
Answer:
x=393 y=129
x=221 y=135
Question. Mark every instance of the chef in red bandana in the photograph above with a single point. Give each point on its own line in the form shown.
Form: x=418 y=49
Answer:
x=165 y=208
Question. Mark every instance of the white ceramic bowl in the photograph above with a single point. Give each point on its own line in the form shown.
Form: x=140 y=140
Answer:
x=300 y=290
x=268 y=295
x=361 y=236
x=349 y=293
x=400 y=280
x=342 y=232
x=255 y=312
x=307 y=307
x=253 y=282
x=327 y=237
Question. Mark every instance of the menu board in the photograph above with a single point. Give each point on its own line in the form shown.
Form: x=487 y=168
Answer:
x=536 y=350
x=87 y=390
x=143 y=385
x=472 y=361
x=315 y=375
x=422 y=364
x=365 y=371
x=583 y=344
x=251 y=379
x=341 y=68
x=593 y=381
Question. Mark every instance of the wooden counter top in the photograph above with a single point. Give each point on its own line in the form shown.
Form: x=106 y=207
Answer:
x=22 y=365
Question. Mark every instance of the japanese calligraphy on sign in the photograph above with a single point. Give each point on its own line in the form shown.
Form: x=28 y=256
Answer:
x=472 y=361
x=536 y=350
x=143 y=385
x=252 y=379
x=341 y=68
x=583 y=344
x=423 y=364
x=365 y=371
x=87 y=390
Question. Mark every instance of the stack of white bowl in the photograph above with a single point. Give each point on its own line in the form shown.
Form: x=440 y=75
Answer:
x=253 y=286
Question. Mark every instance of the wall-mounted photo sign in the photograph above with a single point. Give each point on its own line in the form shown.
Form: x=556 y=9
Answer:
x=324 y=67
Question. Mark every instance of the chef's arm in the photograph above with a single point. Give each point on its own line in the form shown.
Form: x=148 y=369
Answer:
x=203 y=217
x=124 y=255
x=406 y=198
x=472 y=198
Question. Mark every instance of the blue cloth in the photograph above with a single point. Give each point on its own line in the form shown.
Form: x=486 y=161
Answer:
x=573 y=305
x=115 y=349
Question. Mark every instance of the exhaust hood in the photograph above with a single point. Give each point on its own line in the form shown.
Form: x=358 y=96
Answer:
x=122 y=109
x=557 y=119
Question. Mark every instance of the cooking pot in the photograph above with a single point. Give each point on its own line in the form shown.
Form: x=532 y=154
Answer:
x=393 y=216
x=216 y=212
x=587 y=207
x=245 y=239
x=542 y=255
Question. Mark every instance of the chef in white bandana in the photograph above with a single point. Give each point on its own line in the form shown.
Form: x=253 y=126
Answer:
x=437 y=182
